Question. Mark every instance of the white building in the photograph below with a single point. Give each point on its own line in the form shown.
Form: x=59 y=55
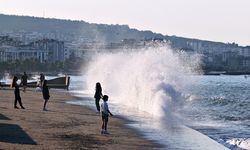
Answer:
x=10 y=53
x=245 y=52
x=55 y=48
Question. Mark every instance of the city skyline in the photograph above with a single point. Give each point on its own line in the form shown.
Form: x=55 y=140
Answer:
x=223 y=21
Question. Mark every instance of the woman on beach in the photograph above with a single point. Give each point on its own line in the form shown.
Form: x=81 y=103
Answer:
x=105 y=114
x=46 y=95
x=17 y=93
x=98 y=95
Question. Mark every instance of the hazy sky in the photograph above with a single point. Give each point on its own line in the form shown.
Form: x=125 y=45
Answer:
x=217 y=20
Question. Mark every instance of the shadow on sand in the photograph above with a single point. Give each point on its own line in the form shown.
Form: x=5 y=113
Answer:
x=14 y=134
x=2 y=117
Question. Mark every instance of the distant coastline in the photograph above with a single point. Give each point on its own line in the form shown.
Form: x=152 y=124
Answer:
x=33 y=44
x=227 y=73
x=79 y=73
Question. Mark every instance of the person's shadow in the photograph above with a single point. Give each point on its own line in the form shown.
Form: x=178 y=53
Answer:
x=11 y=133
x=2 y=117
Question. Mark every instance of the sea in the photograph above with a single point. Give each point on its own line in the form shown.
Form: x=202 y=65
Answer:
x=166 y=98
x=217 y=107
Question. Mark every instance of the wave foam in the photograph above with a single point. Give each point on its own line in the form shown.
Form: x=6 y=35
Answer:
x=240 y=142
x=151 y=80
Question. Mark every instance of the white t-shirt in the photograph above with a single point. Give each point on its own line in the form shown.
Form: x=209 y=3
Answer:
x=104 y=108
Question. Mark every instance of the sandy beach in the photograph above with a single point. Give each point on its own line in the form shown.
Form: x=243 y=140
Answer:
x=63 y=126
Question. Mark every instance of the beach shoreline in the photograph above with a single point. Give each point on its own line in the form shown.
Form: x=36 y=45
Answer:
x=64 y=126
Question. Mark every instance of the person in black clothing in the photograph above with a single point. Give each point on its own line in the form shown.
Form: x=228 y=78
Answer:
x=42 y=78
x=24 y=81
x=98 y=95
x=17 y=93
x=46 y=95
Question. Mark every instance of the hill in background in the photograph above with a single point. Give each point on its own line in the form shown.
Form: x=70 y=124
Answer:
x=69 y=28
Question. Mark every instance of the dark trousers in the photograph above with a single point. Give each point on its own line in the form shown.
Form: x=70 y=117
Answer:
x=97 y=100
x=18 y=98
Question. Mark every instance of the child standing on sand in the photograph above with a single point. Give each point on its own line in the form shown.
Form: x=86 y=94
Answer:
x=105 y=114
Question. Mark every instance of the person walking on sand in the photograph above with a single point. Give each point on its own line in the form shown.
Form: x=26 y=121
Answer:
x=98 y=96
x=17 y=93
x=24 y=80
x=46 y=95
x=105 y=114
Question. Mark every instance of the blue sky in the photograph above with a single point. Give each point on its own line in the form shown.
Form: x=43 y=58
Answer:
x=216 y=20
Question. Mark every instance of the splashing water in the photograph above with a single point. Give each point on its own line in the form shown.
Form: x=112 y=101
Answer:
x=152 y=80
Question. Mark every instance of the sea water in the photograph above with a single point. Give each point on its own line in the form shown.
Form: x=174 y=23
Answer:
x=159 y=90
x=218 y=106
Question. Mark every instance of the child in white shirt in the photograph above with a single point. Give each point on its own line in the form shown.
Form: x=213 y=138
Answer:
x=105 y=114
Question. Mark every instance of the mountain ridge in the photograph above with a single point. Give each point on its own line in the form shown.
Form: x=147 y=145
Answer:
x=101 y=32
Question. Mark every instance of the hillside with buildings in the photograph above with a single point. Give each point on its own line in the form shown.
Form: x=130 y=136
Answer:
x=68 y=30
x=55 y=42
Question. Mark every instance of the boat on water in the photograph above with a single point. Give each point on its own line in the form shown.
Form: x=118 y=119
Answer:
x=58 y=83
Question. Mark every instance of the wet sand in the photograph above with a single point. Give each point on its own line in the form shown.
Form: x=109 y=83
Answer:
x=63 y=126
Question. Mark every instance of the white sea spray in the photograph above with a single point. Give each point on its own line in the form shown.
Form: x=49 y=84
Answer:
x=152 y=80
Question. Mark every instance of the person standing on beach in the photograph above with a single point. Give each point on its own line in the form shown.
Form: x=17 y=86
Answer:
x=98 y=95
x=46 y=95
x=24 y=80
x=105 y=114
x=17 y=93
